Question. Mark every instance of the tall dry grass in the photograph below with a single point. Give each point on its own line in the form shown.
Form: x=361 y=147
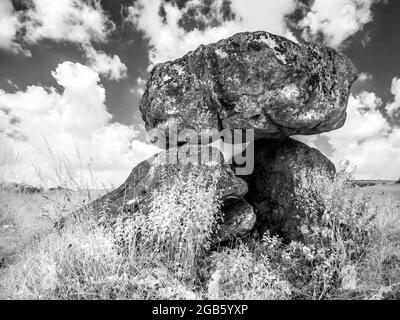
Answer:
x=349 y=250
x=143 y=256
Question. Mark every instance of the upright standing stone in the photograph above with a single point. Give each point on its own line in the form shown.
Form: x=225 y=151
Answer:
x=273 y=184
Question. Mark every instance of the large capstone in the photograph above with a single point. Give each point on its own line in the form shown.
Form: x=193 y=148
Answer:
x=252 y=80
x=273 y=186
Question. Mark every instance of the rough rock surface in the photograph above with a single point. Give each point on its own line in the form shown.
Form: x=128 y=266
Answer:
x=251 y=80
x=272 y=185
x=136 y=192
x=239 y=220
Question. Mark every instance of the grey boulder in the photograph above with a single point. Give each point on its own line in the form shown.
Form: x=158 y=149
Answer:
x=273 y=184
x=148 y=176
x=252 y=80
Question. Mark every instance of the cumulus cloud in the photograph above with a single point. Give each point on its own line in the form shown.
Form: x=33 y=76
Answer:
x=66 y=20
x=9 y=25
x=175 y=27
x=367 y=140
x=75 y=21
x=364 y=122
x=393 y=109
x=172 y=33
x=337 y=20
x=264 y=15
x=110 y=67
x=75 y=118
x=82 y=102
x=377 y=158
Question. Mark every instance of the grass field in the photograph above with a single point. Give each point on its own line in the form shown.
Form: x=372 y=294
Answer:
x=82 y=263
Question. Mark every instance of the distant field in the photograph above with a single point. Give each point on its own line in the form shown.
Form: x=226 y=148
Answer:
x=366 y=183
x=26 y=217
x=384 y=190
x=389 y=188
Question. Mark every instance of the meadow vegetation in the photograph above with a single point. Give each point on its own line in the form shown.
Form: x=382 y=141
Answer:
x=349 y=247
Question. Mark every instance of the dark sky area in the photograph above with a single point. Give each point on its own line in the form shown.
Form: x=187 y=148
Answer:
x=380 y=55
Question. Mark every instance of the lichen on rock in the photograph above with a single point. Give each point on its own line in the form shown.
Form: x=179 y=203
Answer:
x=252 y=80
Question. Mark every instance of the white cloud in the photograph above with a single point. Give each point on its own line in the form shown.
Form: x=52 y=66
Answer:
x=336 y=20
x=393 y=109
x=377 y=158
x=80 y=22
x=264 y=15
x=75 y=21
x=9 y=25
x=74 y=119
x=367 y=140
x=364 y=120
x=169 y=40
x=110 y=67
x=82 y=102
x=84 y=22
x=66 y=20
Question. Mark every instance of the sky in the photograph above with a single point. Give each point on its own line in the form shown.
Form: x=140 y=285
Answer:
x=72 y=73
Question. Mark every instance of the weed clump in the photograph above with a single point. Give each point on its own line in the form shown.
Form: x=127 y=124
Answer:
x=338 y=229
x=240 y=274
x=144 y=256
